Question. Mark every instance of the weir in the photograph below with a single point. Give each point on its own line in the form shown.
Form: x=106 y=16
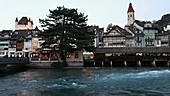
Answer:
x=127 y=64
x=129 y=57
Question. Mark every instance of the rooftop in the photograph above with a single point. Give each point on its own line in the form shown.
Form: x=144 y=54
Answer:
x=130 y=9
x=24 y=21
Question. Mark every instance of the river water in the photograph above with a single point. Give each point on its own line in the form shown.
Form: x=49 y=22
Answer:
x=91 y=82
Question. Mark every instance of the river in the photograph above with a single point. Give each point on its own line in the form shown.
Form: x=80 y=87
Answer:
x=91 y=82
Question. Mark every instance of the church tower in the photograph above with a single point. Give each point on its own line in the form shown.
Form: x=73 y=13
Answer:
x=130 y=15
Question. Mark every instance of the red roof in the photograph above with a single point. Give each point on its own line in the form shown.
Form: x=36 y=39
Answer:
x=130 y=9
x=24 y=21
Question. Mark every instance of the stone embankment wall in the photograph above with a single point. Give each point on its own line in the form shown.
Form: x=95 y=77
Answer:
x=47 y=65
x=42 y=65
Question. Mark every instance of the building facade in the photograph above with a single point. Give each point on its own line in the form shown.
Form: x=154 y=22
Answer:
x=136 y=33
x=150 y=35
x=117 y=37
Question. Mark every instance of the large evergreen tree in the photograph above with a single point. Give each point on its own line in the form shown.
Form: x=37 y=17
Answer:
x=66 y=30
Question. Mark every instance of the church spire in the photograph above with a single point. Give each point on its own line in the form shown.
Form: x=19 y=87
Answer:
x=130 y=15
x=130 y=9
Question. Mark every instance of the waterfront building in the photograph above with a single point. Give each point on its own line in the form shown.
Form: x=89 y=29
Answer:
x=20 y=42
x=136 y=29
x=27 y=36
x=36 y=40
x=136 y=33
x=145 y=33
x=117 y=37
x=163 y=39
x=98 y=32
x=150 y=35
x=31 y=39
x=4 y=42
x=11 y=44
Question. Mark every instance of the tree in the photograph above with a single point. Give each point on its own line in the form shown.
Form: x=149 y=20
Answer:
x=66 y=30
x=160 y=24
x=109 y=27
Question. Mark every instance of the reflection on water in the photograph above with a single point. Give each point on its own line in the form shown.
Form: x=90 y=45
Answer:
x=88 y=82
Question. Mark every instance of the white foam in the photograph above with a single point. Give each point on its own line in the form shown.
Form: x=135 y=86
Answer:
x=74 y=84
x=147 y=74
x=55 y=85
x=118 y=76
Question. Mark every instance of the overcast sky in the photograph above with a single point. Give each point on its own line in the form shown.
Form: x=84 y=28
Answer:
x=100 y=12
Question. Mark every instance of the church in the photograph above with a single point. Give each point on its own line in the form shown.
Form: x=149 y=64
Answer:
x=136 y=33
x=144 y=33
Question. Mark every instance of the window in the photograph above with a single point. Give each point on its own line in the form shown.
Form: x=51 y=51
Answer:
x=35 y=38
x=27 y=48
x=68 y=55
x=135 y=29
x=130 y=15
x=110 y=44
x=35 y=43
x=76 y=55
x=2 y=53
x=35 y=47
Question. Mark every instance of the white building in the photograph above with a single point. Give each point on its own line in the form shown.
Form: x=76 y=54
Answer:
x=167 y=27
x=143 y=32
x=150 y=35
x=24 y=27
x=4 y=42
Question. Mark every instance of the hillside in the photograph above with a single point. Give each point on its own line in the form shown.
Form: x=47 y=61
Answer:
x=163 y=21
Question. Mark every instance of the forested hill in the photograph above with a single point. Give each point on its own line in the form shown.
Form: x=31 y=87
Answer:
x=164 y=21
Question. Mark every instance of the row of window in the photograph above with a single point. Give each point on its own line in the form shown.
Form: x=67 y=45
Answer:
x=76 y=55
x=2 y=53
x=115 y=38
x=4 y=40
x=35 y=43
x=3 y=44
